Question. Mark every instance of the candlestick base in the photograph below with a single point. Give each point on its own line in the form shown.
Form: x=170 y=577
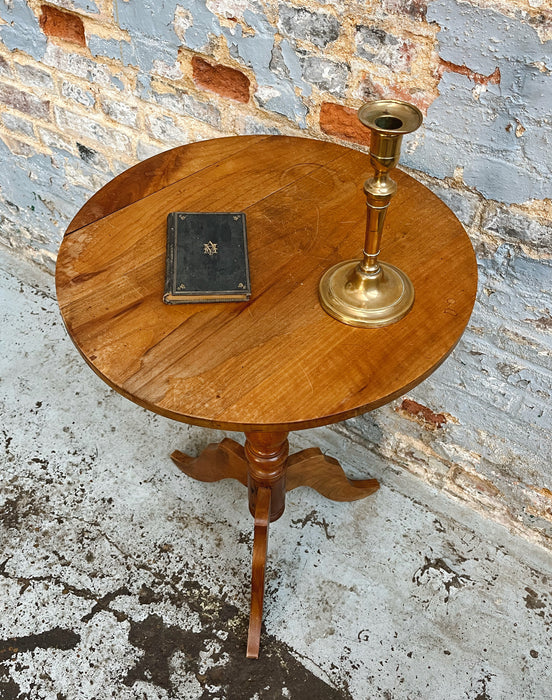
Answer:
x=367 y=299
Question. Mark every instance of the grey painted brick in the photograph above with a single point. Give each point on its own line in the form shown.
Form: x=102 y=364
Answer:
x=18 y=124
x=435 y=152
x=150 y=25
x=536 y=91
x=515 y=294
x=117 y=83
x=276 y=90
x=326 y=75
x=42 y=204
x=319 y=28
x=503 y=180
x=377 y=45
x=482 y=122
x=120 y=112
x=510 y=226
x=34 y=77
x=21 y=30
x=90 y=129
x=482 y=38
x=479 y=122
x=115 y=49
x=182 y=103
x=77 y=94
x=464 y=204
x=24 y=102
x=294 y=67
x=281 y=100
x=536 y=144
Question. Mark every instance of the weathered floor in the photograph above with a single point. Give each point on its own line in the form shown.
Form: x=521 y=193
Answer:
x=121 y=578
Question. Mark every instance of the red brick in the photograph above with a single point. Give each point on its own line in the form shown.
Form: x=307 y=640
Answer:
x=374 y=90
x=24 y=102
x=225 y=81
x=343 y=122
x=422 y=414
x=62 y=25
x=479 y=78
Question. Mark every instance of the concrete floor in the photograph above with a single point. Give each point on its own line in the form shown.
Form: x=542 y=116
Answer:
x=122 y=578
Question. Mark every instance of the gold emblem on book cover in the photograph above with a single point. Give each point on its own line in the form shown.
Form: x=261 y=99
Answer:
x=210 y=248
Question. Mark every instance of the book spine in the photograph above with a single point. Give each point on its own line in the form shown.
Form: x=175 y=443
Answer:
x=171 y=244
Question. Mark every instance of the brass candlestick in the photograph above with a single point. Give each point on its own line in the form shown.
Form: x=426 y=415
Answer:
x=369 y=293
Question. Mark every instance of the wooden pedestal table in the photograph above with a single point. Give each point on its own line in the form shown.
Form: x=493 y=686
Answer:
x=278 y=362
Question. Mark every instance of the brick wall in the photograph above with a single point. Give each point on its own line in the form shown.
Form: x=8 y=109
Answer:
x=89 y=87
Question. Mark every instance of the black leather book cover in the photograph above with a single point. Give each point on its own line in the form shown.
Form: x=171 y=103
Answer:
x=206 y=258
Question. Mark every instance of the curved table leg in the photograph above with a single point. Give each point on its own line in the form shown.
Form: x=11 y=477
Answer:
x=260 y=545
x=226 y=460
x=324 y=474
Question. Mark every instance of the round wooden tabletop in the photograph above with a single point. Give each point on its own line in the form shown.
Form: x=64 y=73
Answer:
x=277 y=362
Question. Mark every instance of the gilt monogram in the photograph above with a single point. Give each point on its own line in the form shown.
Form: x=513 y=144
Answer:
x=210 y=248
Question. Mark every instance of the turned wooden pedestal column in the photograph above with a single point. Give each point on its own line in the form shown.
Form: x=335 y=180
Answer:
x=277 y=363
x=266 y=482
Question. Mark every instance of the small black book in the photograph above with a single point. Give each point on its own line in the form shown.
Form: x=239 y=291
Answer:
x=206 y=258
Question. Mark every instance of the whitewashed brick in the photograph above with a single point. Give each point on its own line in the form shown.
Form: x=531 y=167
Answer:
x=5 y=67
x=53 y=139
x=92 y=130
x=182 y=103
x=20 y=148
x=18 y=124
x=77 y=65
x=34 y=77
x=164 y=129
x=147 y=149
x=78 y=94
x=120 y=112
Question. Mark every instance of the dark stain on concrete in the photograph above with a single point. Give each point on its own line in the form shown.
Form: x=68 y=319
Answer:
x=451 y=579
x=104 y=603
x=19 y=506
x=532 y=600
x=311 y=518
x=224 y=629
x=9 y=690
x=9 y=513
x=482 y=691
x=57 y=638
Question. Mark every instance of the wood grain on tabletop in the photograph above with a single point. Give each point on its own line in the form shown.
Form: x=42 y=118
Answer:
x=278 y=361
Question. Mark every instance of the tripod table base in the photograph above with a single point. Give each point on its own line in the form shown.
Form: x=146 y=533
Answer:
x=264 y=466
